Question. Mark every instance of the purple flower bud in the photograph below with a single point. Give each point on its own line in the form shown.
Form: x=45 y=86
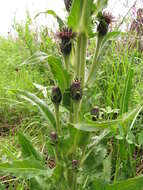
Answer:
x=76 y=90
x=104 y=20
x=66 y=44
x=75 y=164
x=56 y=95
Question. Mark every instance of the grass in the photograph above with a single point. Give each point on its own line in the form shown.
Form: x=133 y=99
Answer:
x=13 y=76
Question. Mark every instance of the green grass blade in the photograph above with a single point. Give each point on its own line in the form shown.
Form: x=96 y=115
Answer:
x=127 y=91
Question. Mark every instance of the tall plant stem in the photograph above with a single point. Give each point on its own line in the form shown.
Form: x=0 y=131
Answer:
x=95 y=59
x=67 y=61
x=80 y=57
x=58 y=120
x=76 y=111
x=80 y=62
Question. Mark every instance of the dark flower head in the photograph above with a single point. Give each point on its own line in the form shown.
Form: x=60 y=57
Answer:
x=108 y=17
x=76 y=90
x=104 y=20
x=75 y=164
x=68 y=4
x=56 y=95
x=66 y=44
x=66 y=33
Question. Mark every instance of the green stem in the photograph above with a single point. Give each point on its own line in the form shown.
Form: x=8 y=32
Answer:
x=67 y=61
x=77 y=57
x=76 y=111
x=117 y=162
x=95 y=60
x=58 y=120
x=83 y=58
x=80 y=57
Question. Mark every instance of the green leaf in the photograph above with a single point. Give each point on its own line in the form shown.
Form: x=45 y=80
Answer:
x=27 y=148
x=75 y=14
x=28 y=168
x=92 y=126
x=99 y=185
x=38 y=183
x=107 y=169
x=96 y=156
x=51 y=12
x=130 y=137
x=127 y=91
x=121 y=134
x=100 y=4
x=61 y=76
x=2 y=187
x=40 y=104
x=80 y=16
x=130 y=184
x=67 y=102
x=59 y=73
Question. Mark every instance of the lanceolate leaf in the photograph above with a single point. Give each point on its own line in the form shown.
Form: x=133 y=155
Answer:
x=130 y=184
x=80 y=16
x=91 y=126
x=75 y=14
x=2 y=187
x=27 y=148
x=25 y=168
x=40 y=104
x=59 y=74
x=51 y=12
x=100 y=4
x=38 y=183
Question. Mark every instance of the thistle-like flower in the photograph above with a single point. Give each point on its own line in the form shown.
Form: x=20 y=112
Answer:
x=104 y=20
x=68 y=4
x=56 y=95
x=66 y=37
x=76 y=90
